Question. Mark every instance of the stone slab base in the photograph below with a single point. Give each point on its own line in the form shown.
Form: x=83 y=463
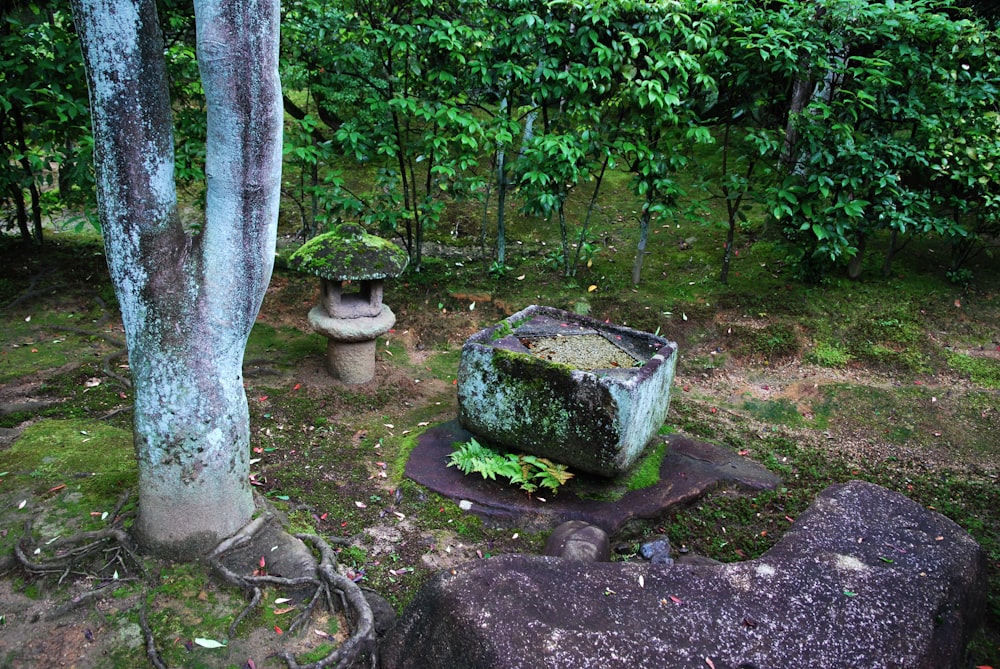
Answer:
x=689 y=469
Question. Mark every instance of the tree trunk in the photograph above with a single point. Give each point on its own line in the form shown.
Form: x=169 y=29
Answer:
x=644 y=218
x=187 y=314
x=640 y=252
x=854 y=264
x=36 y=207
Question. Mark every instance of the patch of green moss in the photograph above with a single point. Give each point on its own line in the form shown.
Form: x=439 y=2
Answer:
x=88 y=457
x=981 y=371
x=646 y=472
x=47 y=340
x=282 y=346
x=781 y=411
x=444 y=365
x=773 y=341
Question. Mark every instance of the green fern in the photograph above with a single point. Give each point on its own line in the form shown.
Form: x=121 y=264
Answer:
x=528 y=472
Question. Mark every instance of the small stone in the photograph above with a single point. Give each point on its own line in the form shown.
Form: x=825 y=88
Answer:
x=578 y=541
x=660 y=545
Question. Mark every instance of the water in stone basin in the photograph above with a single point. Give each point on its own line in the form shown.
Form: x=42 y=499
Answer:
x=584 y=351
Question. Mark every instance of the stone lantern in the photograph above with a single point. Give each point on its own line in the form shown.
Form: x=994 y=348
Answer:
x=352 y=266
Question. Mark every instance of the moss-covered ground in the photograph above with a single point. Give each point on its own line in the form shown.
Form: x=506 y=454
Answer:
x=893 y=380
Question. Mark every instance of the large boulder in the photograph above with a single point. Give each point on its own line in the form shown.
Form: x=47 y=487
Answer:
x=865 y=578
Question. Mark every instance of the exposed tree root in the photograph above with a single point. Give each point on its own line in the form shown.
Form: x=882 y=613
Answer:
x=330 y=588
x=151 y=652
x=108 y=556
x=121 y=349
x=93 y=554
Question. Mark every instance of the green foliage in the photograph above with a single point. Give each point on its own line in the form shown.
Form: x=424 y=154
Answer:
x=528 y=472
x=44 y=120
x=866 y=150
x=828 y=354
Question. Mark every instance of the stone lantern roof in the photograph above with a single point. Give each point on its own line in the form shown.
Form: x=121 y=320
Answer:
x=348 y=253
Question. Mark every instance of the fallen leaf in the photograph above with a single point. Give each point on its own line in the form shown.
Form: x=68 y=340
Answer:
x=280 y=612
x=591 y=288
x=209 y=643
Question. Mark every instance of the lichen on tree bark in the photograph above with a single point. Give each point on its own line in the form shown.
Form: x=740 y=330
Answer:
x=188 y=301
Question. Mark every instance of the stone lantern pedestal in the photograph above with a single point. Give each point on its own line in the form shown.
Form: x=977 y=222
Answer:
x=350 y=319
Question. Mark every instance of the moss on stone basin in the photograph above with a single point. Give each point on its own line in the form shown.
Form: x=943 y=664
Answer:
x=595 y=414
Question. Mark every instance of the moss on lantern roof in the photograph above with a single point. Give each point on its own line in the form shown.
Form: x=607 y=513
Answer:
x=348 y=253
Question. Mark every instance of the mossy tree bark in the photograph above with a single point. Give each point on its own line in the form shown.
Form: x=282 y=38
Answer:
x=188 y=300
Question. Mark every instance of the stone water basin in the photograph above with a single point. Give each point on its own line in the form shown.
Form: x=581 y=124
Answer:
x=573 y=389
